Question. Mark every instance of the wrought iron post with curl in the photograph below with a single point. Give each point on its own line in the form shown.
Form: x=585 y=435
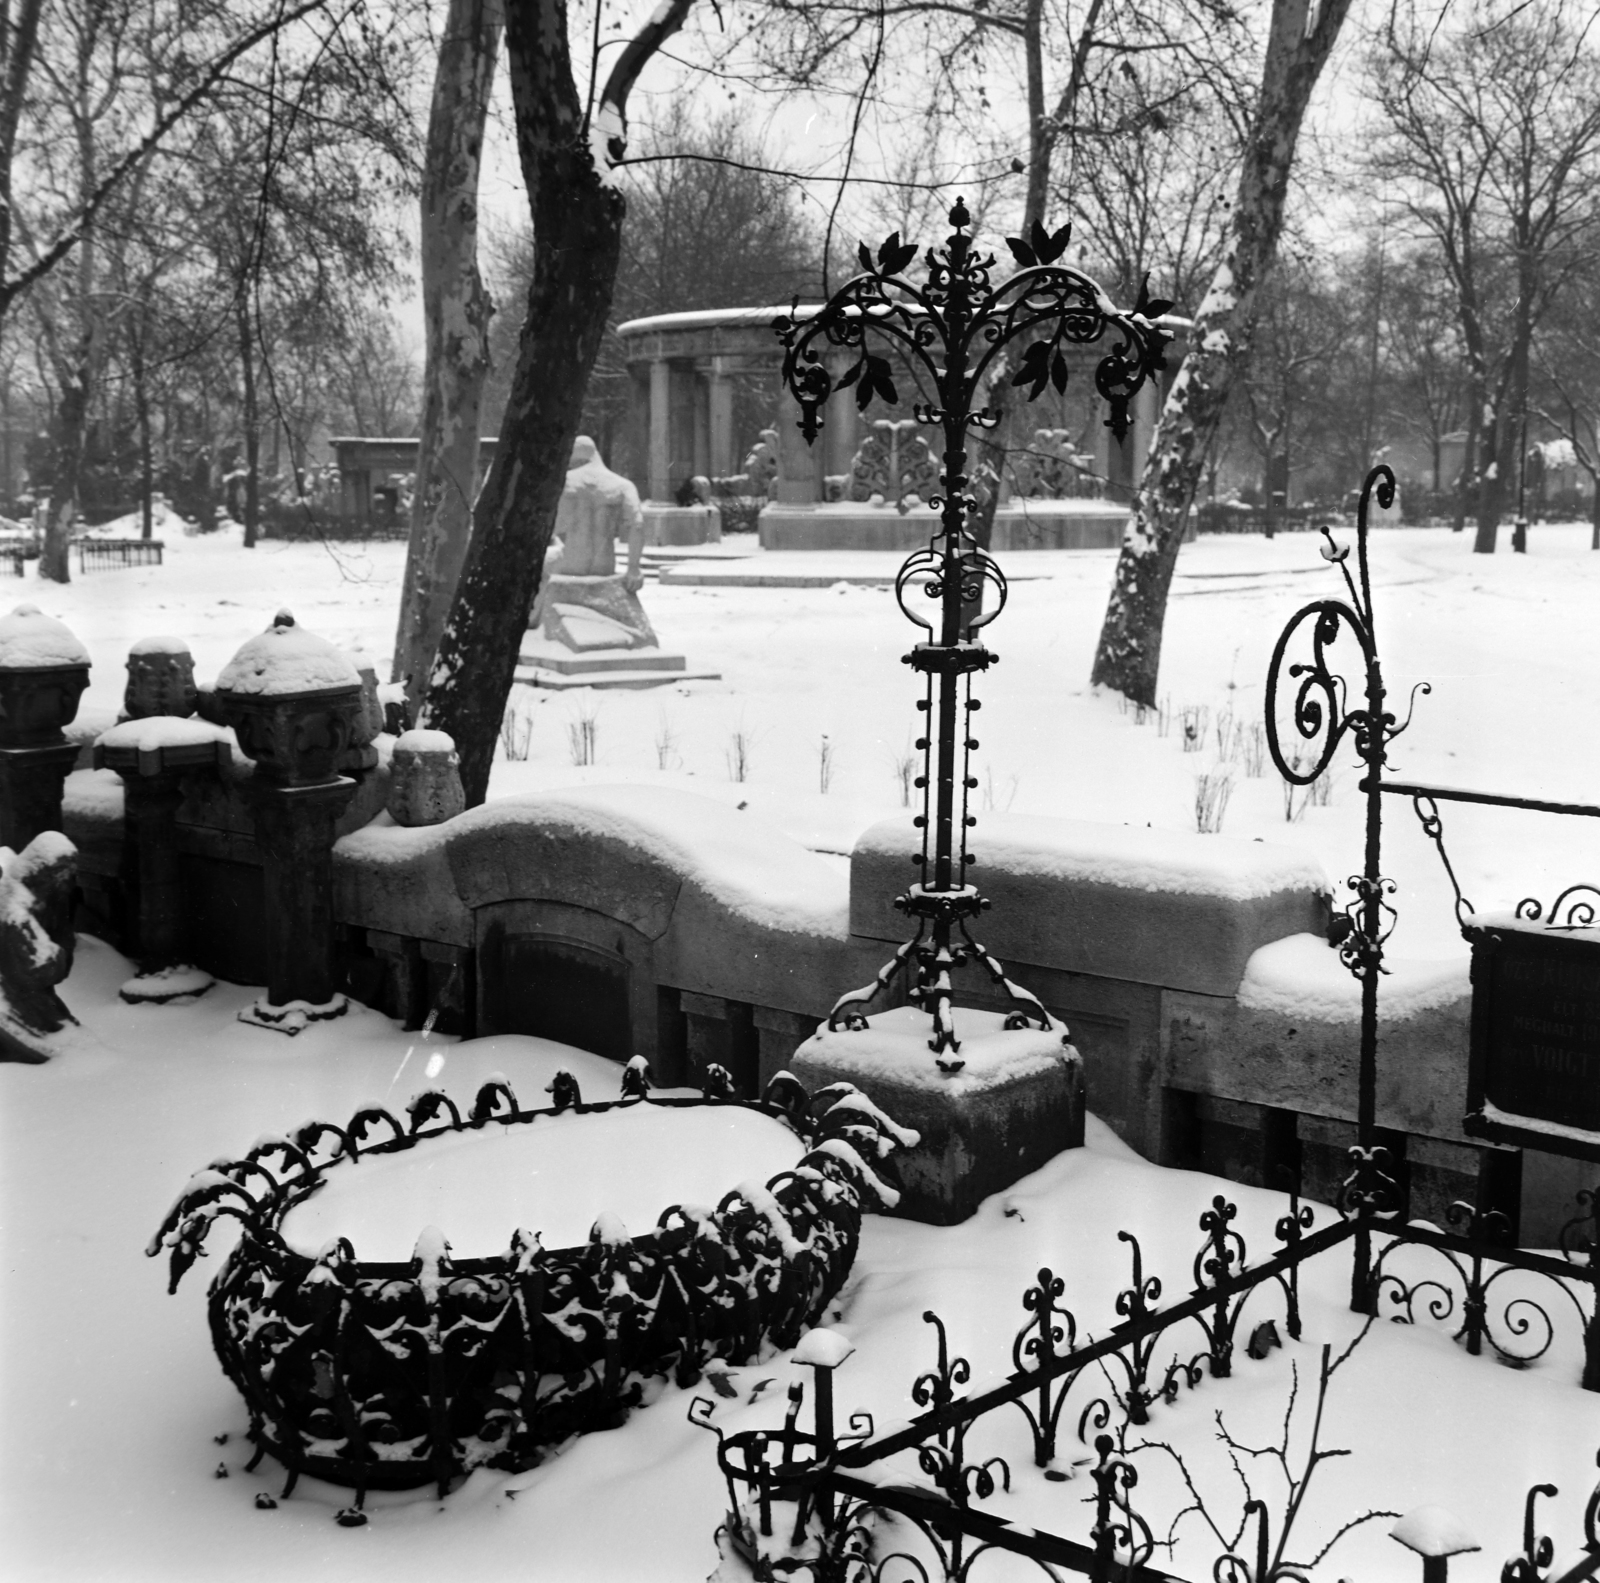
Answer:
x=952 y=331
x=1322 y=716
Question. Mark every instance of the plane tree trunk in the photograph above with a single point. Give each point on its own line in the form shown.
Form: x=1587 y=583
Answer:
x=577 y=212
x=456 y=312
x=1128 y=656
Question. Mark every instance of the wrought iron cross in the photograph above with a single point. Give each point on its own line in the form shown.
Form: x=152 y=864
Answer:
x=953 y=329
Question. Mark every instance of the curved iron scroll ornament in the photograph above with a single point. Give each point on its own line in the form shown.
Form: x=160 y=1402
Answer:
x=953 y=330
x=1322 y=715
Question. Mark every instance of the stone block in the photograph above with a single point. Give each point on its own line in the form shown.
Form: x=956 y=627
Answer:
x=1016 y=1104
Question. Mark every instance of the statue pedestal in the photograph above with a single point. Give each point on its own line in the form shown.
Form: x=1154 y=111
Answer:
x=681 y=524
x=1016 y=1102
x=593 y=632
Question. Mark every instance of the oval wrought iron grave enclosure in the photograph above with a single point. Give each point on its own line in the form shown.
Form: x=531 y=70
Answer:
x=393 y=1375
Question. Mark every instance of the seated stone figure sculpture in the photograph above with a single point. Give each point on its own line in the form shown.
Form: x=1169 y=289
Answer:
x=583 y=602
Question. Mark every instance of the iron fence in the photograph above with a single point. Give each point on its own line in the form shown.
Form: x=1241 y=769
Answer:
x=802 y=1504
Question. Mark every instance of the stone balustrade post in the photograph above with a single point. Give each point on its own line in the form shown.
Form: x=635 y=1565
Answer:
x=295 y=830
x=295 y=703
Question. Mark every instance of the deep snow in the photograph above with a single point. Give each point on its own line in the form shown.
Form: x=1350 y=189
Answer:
x=109 y=1394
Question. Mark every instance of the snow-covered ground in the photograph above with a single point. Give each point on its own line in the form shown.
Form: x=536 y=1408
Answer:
x=110 y=1398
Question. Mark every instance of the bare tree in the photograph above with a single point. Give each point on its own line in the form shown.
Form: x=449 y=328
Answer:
x=569 y=156
x=1493 y=151
x=456 y=314
x=1128 y=657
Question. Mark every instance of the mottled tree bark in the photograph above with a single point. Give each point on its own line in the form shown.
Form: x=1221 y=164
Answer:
x=577 y=215
x=1128 y=656
x=456 y=311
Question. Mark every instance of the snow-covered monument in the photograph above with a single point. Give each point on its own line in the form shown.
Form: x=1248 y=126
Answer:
x=866 y=483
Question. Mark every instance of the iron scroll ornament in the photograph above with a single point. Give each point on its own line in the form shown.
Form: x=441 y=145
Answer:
x=953 y=330
x=1322 y=717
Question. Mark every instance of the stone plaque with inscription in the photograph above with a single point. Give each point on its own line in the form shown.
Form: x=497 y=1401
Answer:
x=1535 y=1074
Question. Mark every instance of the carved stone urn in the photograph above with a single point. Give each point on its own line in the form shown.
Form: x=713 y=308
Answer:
x=294 y=702
x=425 y=779
x=43 y=672
x=160 y=679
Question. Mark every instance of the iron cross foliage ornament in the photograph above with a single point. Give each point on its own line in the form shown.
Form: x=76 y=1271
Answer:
x=952 y=332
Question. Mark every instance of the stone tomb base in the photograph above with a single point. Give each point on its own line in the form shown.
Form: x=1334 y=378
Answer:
x=681 y=524
x=548 y=664
x=1016 y=1102
x=1018 y=525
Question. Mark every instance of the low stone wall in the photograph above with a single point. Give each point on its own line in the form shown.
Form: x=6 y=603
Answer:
x=1218 y=1030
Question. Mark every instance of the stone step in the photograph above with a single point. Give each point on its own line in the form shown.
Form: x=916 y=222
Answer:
x=551 y=657
x=558 y=681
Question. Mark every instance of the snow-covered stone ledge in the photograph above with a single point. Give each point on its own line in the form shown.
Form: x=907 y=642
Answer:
x=1118 y=902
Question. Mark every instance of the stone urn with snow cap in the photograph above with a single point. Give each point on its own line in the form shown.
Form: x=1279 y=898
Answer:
x=425 y=779
x=294 y=701
x=160 y=679
x=43 y=672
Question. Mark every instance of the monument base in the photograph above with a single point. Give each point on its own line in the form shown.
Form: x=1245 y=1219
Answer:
x=1018 y=525
x=548 y=664
x=681 y=524
x=1016 y=1102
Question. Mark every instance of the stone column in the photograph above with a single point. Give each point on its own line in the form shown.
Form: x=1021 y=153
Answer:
x=702 y=425
x=31 y=782
x=841 y=423
x=680 y=451
x=1146 y=410
x=799 y=465
x=719 y=402
x=295 y=830
x=152 y=792
x=660 y=430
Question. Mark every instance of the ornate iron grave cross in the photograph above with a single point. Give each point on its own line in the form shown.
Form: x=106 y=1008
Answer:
x=952 y=331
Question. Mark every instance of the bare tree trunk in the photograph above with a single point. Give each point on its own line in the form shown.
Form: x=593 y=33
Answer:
x=251 y=417
x=456 y=310
x=71 y=436
x=1128 y=656
x=577 y=215
x=141 y=408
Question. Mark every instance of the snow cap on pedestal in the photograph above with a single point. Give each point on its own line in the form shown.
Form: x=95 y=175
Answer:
x=30 y=638
x=287 y=659
x=1434 y=1531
